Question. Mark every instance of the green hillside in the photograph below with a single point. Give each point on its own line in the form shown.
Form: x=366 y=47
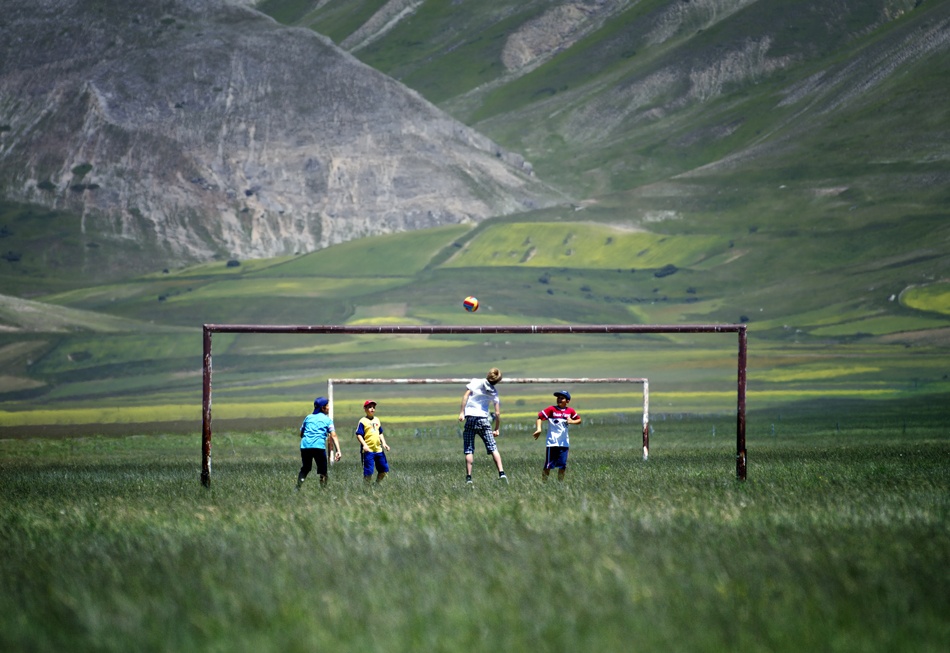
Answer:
x=808 y=340
x=653 y=89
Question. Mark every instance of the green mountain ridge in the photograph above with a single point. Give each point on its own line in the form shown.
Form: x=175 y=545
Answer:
x=658 y=88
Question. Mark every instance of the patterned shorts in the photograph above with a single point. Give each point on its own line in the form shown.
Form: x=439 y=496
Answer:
x=481 y=427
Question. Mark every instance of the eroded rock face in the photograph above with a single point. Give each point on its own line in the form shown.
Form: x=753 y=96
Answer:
x=555 y=30
x=205 y=128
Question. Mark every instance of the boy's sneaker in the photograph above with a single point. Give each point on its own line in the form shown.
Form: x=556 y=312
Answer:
x=468 y=480
x=299 y=483
x=503 y=478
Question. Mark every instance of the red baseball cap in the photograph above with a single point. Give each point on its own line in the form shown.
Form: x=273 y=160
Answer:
x=368 y=403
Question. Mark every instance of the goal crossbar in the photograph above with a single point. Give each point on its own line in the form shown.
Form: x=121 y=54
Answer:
x=209 y=329
x=525 y=380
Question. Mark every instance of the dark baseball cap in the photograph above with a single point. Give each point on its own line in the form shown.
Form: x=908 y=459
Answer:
x=563 y=393
x=320 y=402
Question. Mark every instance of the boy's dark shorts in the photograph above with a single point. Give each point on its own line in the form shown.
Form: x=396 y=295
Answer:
x=377 y=459
x=316 y=455
x=555 y=458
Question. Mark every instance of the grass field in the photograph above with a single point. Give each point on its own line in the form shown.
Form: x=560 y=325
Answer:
x=838 y=541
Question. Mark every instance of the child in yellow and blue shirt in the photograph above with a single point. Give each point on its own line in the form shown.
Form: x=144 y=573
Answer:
x=369 y=432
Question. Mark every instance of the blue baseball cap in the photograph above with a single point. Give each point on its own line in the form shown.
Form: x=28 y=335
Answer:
x=320 y=402
x=563 y=393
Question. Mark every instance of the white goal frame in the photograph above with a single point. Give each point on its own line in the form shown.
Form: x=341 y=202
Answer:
x=336 y=329
x=536 y=380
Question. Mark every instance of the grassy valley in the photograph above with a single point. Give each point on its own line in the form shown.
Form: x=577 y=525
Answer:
x=140 y=362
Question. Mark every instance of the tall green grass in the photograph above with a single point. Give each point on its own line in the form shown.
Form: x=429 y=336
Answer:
x=838 y=541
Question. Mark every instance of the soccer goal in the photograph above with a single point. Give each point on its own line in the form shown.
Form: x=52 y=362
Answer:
x=645 y=383
x=541 y=330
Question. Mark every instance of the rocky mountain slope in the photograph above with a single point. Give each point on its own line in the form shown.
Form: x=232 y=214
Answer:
x=196 y=129
x=202 y=128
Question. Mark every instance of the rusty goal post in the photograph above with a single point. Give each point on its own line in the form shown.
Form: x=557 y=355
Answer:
x=210 y=329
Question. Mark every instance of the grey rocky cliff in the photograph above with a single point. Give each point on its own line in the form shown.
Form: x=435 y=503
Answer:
x=206 y=129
